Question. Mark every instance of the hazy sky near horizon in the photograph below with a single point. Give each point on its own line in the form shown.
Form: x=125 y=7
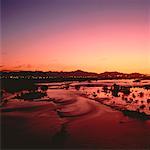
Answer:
x=64 y=35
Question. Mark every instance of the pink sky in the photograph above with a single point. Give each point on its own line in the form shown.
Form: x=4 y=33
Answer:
x=98 y=40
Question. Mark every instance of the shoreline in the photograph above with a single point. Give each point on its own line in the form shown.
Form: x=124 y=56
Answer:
x=41 y=126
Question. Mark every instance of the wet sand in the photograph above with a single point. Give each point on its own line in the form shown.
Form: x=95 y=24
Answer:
x=70 y=121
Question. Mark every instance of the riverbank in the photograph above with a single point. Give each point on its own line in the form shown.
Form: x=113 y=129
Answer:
x=70 y=121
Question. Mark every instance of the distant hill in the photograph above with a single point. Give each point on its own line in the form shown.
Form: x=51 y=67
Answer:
x=71 y=74
x=116 y=75
x=78 y=73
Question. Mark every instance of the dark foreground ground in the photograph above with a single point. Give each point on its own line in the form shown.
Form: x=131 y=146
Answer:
x=70 y=121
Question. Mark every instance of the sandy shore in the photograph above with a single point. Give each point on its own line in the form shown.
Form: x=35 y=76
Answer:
x=70 y=121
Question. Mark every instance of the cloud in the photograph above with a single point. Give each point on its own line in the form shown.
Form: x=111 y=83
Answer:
x=20 y=66
x=23 y=66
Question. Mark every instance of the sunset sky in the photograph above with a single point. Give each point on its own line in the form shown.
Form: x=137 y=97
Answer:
x=66 y=35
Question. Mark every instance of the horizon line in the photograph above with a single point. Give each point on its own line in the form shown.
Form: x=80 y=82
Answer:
x=70 y=71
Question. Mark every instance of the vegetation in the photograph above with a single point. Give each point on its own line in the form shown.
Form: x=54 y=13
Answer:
x=77 y=87
x=125 y=90
x=105 y=88
x=44 y=87
x=115 y=90
x=136 y=114
x=31 y=95
x=12 y=86
x=66 y=86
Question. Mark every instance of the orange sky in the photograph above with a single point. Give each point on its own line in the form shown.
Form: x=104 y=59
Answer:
x=73 y=36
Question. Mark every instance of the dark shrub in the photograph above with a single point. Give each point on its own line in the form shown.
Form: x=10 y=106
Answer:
x=115 y=90
x=94 y=94
x=141 y=94
x=77 y=87
x=13 y=86
x=44 y=87
x=147 y=87
x=66 y=86
x=105 y=88
x=133 y=95
x=98 y=91
x=125 y=90
x=148 y=101
x=142 y=106
x=31 y=95
x=32 y=88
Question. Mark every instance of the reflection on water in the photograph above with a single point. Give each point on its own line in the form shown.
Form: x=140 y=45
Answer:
x=89 y=124
x=58 y=140
x=125 y=94
x=137 y=99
